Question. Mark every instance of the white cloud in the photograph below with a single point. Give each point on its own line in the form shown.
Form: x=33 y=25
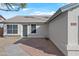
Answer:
x=24 y=9
x=42 y=13
x=31 y=11
x=65 y=4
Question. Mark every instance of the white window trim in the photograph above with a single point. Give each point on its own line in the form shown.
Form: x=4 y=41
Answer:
x=31 y=27
x=12 y=33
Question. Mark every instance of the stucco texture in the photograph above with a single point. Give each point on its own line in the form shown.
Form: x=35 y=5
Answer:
x=58 y=32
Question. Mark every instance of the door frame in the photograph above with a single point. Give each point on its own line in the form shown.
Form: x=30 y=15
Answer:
x=24 y=30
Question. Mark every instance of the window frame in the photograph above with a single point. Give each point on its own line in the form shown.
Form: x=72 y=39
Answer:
x=33 y=29
x=12 y=29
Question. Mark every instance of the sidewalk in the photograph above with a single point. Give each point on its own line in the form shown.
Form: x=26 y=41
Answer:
x=15 y=50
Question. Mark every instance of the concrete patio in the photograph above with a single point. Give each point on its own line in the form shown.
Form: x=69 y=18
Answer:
x=25 y=47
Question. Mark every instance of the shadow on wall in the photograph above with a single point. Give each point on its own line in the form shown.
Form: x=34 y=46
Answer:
x=41 y=44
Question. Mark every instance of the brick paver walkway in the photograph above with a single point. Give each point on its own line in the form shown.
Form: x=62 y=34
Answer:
x=39 y=47
x=25 y=47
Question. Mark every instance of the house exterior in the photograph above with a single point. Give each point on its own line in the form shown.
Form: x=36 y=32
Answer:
x=1 y=21
x=1 y=25
x=62 y=28
x=26 y=26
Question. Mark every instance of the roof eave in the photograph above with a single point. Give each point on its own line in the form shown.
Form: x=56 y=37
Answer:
x=25 y=22
x=58 y=12
x=61 y=10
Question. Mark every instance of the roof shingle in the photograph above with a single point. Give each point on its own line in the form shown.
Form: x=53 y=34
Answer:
x=28 y=19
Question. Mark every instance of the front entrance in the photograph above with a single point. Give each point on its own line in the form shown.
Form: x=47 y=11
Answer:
x=1 y=32
x=24 y=30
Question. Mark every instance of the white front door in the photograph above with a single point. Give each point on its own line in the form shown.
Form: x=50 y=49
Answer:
x=24 y=30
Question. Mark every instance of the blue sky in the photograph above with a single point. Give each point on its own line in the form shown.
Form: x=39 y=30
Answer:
x=34 y=9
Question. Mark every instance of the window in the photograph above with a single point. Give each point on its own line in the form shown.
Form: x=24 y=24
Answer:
x=12 y=29
x=33 y=28
x=1 y=25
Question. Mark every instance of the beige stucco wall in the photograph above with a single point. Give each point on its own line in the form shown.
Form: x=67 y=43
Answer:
x=58 y=32
x=19 y=30
x=73 y=45
x=41 y=32
x=65 y=35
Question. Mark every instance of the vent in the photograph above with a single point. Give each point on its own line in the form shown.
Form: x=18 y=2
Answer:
x=28 y=17
x=46 y=17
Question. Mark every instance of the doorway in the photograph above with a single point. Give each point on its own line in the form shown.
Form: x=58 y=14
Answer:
x=24 y=30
